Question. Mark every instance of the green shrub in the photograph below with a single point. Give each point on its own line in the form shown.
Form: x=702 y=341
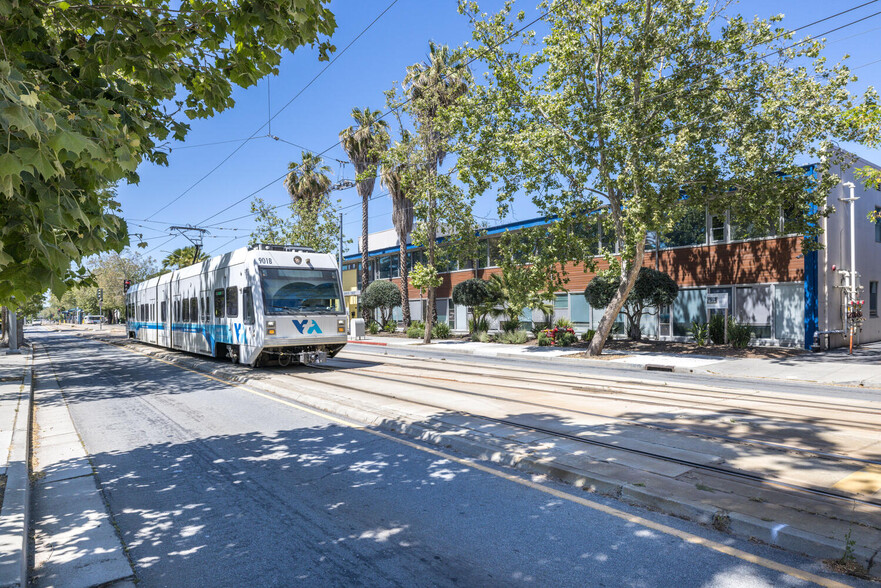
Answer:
x=539 y=327
x=588 y=335
x=483 y=337
x=563 y=323
x=509 y=326
x=373 y=327
x=544 y=340
x=481 y=325
x=700 y=331
x=441 y=331
x=416 y=331
x=717 y=329
x=565 y=339
x=390 y=326
x=514 y=337
x=738 y=335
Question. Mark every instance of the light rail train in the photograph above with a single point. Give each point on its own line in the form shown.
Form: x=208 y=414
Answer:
x=256 y=305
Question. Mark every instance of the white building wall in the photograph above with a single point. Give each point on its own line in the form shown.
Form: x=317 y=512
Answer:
x=837 y=253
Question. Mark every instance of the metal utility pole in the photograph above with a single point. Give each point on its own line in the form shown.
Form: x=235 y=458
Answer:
x=100 y=309
x=341 y=244
x=853 y=288
x=196 y=240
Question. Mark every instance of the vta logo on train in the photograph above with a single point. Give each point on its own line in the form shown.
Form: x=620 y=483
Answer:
x=302 y=325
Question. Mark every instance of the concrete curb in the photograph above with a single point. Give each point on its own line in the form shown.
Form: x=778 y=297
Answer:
x=485 y=447
x=15 y=512
x=557 y=359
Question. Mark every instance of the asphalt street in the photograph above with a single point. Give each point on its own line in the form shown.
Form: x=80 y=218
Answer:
x=214 y=485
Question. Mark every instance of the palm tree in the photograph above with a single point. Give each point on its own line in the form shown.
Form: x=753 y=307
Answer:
x=308 y=181
x=402 y=218
x=364 y=146
x=432 y=87
x=182 y=257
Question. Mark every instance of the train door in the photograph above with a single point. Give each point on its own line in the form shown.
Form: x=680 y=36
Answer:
x=164 y=331
x=177 y=333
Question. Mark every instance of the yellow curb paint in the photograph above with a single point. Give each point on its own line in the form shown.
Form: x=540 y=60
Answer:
x=637 y=520
x=864 y=481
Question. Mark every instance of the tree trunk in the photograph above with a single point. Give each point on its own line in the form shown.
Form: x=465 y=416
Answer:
x=364 y=248
x=405 y=287
x=4 y=331
x=432 y=237
x=634 y=331
x=628 y=280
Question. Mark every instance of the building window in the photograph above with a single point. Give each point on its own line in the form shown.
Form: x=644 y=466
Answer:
x=873 y=299
x=717 y=228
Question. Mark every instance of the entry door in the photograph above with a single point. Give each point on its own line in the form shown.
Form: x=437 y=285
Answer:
x=177 y=334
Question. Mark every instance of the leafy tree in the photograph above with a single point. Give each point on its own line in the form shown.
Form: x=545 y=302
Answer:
x=183 y=257
x=381 y=295
x=364 y=145
x=313 y=221
x=867 y=119
x=478 y=296
x=393 y=180
x=652 y=289
x=89 y=90
x=432 y=88
x=649 y=109
x=310 y=224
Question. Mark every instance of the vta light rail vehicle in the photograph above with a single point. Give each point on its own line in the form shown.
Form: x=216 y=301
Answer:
x=258 y=305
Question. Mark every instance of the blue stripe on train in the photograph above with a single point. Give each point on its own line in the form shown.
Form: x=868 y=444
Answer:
x=212 y=333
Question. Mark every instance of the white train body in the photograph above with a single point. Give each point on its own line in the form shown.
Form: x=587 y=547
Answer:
x=254 y=305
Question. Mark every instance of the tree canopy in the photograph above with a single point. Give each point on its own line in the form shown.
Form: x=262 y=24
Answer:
x=647 y=110
x=652 y=288
x=383 y=296
x=89 y=90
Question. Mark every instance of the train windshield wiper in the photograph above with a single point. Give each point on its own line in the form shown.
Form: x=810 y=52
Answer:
x=285 y=308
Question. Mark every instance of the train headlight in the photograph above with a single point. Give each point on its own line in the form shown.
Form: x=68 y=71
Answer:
x=270 y=327
x=341 y=326
x=270 y=324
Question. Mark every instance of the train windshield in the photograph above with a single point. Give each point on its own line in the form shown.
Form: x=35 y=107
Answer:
x=293 y=290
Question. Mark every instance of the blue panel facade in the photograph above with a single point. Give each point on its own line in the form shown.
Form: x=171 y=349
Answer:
x=811 y=301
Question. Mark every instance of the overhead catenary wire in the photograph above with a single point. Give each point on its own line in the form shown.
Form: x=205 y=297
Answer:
x=269 y=121
x=392 y=109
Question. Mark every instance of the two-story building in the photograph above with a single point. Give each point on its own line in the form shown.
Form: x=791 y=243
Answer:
x=786 y=297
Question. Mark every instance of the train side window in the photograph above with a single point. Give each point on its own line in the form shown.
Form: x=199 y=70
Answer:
x=194 y=310
x=186 y=310
x=219 y=303
x=206 y=314
x=177 y=311
x=232 y=301
x=247 y=306
x=163 y=315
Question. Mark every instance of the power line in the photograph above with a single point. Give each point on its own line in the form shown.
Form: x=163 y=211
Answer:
x=543 y=15
x=297 y=95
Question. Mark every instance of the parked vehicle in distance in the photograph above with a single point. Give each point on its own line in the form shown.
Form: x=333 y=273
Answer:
x=92 y=319
x=37 y=322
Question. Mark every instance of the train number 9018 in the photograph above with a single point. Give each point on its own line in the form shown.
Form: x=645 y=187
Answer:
x=264 y=260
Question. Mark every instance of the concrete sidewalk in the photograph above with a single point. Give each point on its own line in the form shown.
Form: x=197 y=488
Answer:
x=16 y=378
x=835 y=367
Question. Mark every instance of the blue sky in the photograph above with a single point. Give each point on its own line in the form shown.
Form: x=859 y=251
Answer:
x=358 y=78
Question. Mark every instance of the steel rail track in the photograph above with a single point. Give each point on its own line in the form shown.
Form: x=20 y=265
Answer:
x=673 y=389
x=673 y=429
x=754 y=477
